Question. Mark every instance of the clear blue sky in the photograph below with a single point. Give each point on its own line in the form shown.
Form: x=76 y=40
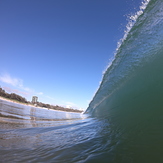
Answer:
x=58 y=49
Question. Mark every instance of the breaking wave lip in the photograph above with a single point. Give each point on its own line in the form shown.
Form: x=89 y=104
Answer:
x=131 y=21
x=138 y=54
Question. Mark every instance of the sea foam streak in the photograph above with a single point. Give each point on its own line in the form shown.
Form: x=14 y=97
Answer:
x=134 y=79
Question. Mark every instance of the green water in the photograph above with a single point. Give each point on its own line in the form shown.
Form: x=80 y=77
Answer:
x=124 y=121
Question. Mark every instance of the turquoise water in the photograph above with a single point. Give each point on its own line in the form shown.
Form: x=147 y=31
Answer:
x=131 y=92
x=136 y=71
x=124 y=120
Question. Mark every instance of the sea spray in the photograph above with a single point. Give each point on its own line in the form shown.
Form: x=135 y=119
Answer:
x=131 y=21
x=130 y=96
x=126 y=123
x=141 y=45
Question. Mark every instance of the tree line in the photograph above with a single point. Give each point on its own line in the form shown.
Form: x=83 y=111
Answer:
x=12 y=96
x=16 y=97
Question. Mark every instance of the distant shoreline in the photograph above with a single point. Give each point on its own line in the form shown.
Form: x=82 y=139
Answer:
x=26 y=104
x=14 y=101
x=15 y=98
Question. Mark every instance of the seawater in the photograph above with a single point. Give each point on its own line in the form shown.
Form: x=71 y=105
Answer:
x=124 y=120
x=30 y=134
x=130 y=95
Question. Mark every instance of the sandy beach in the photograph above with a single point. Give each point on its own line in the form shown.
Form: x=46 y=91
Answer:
x=19 y=103
x=24 y=104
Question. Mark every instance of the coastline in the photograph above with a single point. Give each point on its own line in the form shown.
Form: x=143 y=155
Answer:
x=14 y=101
x=24 y=104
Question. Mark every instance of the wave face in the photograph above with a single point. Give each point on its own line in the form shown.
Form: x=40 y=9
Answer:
x=131 y=88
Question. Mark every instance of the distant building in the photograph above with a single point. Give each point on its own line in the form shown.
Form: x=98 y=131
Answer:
x=34 y=99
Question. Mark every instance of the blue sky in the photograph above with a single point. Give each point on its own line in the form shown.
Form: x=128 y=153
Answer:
x=58 y=49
